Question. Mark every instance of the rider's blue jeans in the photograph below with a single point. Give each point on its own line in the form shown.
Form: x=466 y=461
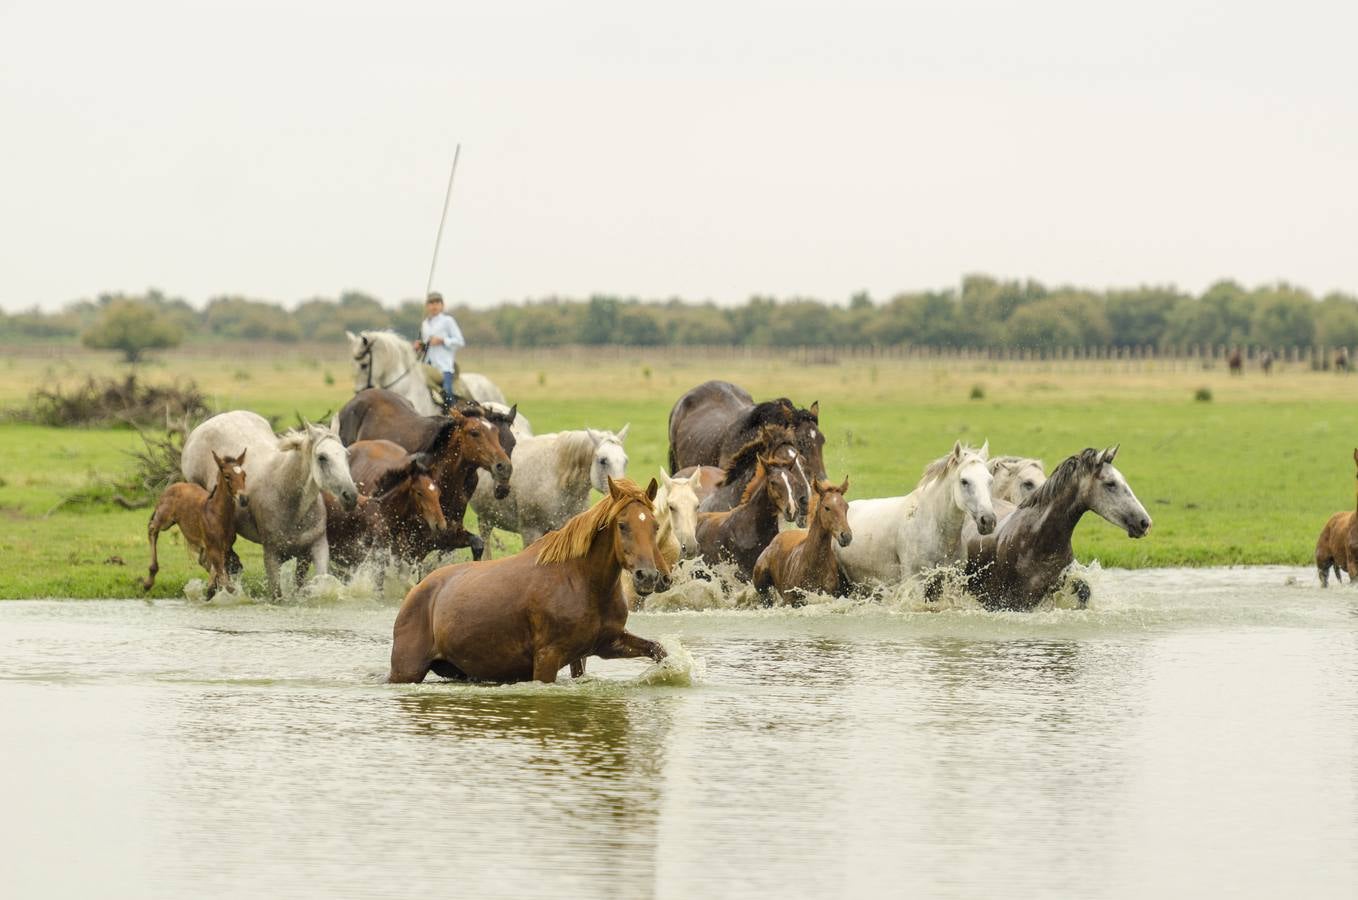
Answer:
x=447 y=388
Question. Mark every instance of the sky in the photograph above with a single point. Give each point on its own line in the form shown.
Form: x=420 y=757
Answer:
x=706 y=150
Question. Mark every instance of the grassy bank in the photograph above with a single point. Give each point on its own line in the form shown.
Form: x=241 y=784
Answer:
x=1249 y=477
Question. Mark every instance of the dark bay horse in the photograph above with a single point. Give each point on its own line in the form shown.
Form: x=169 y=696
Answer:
x=552 y=604
x=1337 y=547
x=715 y=419
x=775 y=442
x=799 y=562
x=741 y=534
x=1024 y=558
x=400 y=511
x=206 y=519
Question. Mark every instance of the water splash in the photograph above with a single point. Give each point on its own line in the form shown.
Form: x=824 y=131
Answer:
x=679 y=668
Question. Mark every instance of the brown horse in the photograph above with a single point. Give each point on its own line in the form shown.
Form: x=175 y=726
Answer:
x=398 y=513
x=1025 y=558
x=552 y=604
x=207 y=520
x=739 y=535
x=706 y=482
x=796 y=563
x=1337 y=547
x=710 y=423
x=774 y=442
x=1236 y=362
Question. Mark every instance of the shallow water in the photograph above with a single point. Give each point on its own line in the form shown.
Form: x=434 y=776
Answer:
x=1192 y=733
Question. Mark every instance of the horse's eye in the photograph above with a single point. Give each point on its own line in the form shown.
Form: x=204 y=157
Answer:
x=966 y=482
x=1110 y=485
x=1028 y=485
x=475 y=432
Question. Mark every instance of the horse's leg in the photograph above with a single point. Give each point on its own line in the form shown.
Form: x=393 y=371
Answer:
x=410 y=642
x=578 y=667
x=233 y=564
x=477 y=545
x=444 y=669
x=628 y=645
x=546 y=663
x=1323 y=563
x=272 y=564
x=153 y=529
x=320 y=555
x=300 y=572
x=485 y=529
x=1082 y=591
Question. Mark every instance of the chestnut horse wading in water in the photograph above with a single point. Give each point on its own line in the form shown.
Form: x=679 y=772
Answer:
x=206 y=519
x=801 y=562
x=552 y=604
x=1337 y=547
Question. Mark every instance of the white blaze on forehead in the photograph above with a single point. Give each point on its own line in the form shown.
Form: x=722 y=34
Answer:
x=813 y=432
x=431 y=487
x=804 y=478
x=791 y=452
x=641 y=516
x=787 y=484
x=236 y=469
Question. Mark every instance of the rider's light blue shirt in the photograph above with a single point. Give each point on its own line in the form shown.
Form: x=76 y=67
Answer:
x=444 y=326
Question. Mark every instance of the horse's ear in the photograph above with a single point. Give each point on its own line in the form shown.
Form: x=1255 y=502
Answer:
x=985 y=449
x=1111 y=453
x=350 y=335
x=217 y=459
x=815 y=411
x=957 y=450
x=1355 y=454
x=612 y=487
x=513 y=413
x=595 y=436
x=651 y=490
x=334 y=423
x=667 y=480
x=844 y=488
x=622 y=435
x=240 y=457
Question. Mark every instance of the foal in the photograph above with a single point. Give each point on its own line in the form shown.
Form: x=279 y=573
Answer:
x=207 y=520
x=402 y=509
x=802 y=562
x=741 y=534
x=1338 y=545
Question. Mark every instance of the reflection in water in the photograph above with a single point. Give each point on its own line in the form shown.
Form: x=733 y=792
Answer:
x=1195 y=731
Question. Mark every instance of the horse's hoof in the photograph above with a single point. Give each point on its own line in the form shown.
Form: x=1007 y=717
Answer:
x=1082 y=593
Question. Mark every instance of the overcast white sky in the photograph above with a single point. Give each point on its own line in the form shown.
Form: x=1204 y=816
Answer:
x=700 y=149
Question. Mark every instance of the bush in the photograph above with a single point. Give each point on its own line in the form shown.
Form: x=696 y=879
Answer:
x=1203 y=395
x=108 y=401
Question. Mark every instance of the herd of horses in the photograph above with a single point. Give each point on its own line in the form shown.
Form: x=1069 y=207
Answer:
x=747 y=488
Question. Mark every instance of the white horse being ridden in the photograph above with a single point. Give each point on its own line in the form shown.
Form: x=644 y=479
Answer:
x=552 y=477
x=384 y=359
x=676 y=523
x=286 y=476
x=897 y=537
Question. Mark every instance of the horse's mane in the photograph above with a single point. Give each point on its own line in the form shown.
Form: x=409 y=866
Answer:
x=293 y=439
x=770 y=412
x=1063 y=477
x=995 y=463
x=760 y=473
x=577 y=452
x=767 y=440
x=392 y=478
x=573 y=540
x=939 y=468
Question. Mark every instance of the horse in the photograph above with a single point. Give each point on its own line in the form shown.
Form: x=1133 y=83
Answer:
x=1024 y=560
x=900 y=537
x=206 y=519
x=1015 y=479
x=739 y=535
x=1337 y=547
x=704 y=479
x=777 y=441
x=676 y=518
x=1266 y=361
x=394 y=513
x=1341 y=360
x=796 y=563
x=384 y=359
x=518 y=423
x=711 y=422
x=1236 y=362
x=377 y=413
x=555 y=473
x=459 y=448
x=287 y=476
x=553 y=603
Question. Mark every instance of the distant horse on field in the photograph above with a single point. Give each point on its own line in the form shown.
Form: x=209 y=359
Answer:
x=1337 y=547
x=741 y=534
x=775 y=441
x=206 y=519
x=797 y=563
x=552 y=604
x=711 y=422
x=1266 y=361
x=900 y=537
x=1236 y=362
x=287 y=476
x=554 y=473
x=1341 y=360
x=1026 y=558
x=384 y=359
x=396 y=513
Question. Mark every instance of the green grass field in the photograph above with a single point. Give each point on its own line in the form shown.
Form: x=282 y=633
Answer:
x=1249 y=477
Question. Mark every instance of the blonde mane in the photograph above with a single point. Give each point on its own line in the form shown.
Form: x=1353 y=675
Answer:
x=294 y=439
x=939 y=468
x=573 y=540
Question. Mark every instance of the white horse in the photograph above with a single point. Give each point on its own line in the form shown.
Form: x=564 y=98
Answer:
x=384 y=359
x=552 y=477
x=676 y=523
x=1016 y=479
x=898 y=537
x=286 y=476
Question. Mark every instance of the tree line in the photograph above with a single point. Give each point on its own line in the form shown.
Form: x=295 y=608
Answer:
x=982 y=312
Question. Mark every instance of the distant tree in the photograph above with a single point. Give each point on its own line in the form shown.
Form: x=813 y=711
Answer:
x=1062 y=320
x=131 y=327
x=1283 y=316
x=1141 y=316
x=1337 y=321
x=639 y=326
x=600 y=324
x=238 y=317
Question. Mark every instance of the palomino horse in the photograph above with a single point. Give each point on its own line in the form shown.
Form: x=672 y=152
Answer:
x=384 y=359
x=774 y=441
x=287 y=477
x=1337 y=547
x=207 y=520
x=552 y=604
x=900 y=537
x=715 y=419
x=676 y=518
x=395 y=512
x=800 y=562
x=555 y=473
x=1025 y=559
x=741 y=534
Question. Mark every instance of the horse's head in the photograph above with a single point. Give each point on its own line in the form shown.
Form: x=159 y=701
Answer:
x=1016 y=478
x=329 y=462
x=479 y=442
x=231 y=475
x=503 y=418
x=634 y=536
x=786 y=489
x=1106 y=492
x=412 y=481
x=610 y=459
x=677 y=500
x=971 y=483
x=810 y=439
x=361 y=351
x=428 y=500
x=832 y=511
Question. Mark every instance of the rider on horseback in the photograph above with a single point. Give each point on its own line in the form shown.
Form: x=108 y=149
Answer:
x=439 y=340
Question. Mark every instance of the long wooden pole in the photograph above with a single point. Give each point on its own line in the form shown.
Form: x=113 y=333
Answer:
x=438 y=239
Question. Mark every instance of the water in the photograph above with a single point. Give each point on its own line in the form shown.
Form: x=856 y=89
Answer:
x=1193 y=733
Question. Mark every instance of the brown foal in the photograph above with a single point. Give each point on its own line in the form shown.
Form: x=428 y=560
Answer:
x=399 y=513
x=798 y=562
x=739 y=535
x=1337 y=547
x=206 y=520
